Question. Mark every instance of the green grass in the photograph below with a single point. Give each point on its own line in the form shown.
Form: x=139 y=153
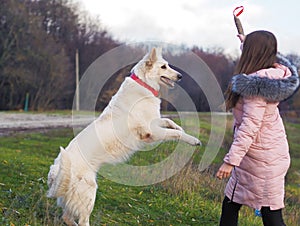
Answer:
x=188 y=198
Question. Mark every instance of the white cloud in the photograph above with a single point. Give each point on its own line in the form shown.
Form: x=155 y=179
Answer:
x=205 y=23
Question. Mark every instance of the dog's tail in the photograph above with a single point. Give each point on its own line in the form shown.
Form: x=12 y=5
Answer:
x=59 y=175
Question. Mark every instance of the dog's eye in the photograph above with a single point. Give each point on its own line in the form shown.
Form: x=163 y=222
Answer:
x=163 y=67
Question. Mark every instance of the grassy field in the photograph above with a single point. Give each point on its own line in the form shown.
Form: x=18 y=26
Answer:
x=188 y=198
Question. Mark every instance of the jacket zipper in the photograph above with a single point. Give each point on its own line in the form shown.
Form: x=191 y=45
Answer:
x=231 y=200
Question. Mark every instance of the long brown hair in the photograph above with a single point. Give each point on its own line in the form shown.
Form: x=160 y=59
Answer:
x=259 y=52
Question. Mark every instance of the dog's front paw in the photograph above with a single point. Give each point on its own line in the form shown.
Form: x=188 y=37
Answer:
x=197 y=142
x=191 y=140
x=194 y=141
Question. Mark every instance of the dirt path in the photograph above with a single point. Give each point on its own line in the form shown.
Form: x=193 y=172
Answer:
x=11 y=123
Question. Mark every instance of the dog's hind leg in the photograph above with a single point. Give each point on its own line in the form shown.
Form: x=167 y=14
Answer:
x=86 y=191
x=84 y=221
x=67 y=216
x=87 y=207
x=68 y=219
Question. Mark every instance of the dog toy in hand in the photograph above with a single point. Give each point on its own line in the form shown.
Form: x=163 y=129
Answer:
x=236 y=12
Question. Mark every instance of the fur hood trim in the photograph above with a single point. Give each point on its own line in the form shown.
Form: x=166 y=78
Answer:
x=272 y=90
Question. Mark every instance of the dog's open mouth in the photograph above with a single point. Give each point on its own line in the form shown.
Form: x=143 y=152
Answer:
x=167 y=81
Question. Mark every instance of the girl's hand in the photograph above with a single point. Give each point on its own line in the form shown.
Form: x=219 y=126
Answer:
x=241 y=37
x=224 y=171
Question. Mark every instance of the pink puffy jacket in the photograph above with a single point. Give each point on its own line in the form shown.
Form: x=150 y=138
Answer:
x=260 y=151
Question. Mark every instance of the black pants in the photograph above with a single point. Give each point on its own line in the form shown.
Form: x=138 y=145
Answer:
x=230 y=214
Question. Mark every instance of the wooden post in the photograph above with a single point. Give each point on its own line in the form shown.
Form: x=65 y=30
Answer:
x=26 y=102
x=77 y=80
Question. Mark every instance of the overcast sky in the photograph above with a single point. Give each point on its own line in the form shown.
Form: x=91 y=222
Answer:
x=204 y=23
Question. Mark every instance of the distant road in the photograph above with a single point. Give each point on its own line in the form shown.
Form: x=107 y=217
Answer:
x=11 y=123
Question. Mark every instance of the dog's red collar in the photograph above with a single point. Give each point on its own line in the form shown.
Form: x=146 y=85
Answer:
x=139 y=81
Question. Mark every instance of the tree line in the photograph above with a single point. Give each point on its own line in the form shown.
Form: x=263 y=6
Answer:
x=38 y=41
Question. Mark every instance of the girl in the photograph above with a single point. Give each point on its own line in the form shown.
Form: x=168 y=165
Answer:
x=258 y=158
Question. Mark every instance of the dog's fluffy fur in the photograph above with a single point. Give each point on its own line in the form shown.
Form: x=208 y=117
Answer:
x=131 y=120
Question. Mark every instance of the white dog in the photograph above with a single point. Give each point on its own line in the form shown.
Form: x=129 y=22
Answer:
x=130 y=121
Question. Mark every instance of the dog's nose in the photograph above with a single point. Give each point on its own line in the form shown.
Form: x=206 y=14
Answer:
x=179 y=76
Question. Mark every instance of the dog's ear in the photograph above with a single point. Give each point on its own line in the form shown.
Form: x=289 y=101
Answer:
x=152 y=57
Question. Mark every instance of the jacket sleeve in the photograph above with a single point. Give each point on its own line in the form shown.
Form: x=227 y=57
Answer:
x=253 y=113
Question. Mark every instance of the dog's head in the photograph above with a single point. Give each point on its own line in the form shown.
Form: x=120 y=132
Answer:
x=155 y=71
